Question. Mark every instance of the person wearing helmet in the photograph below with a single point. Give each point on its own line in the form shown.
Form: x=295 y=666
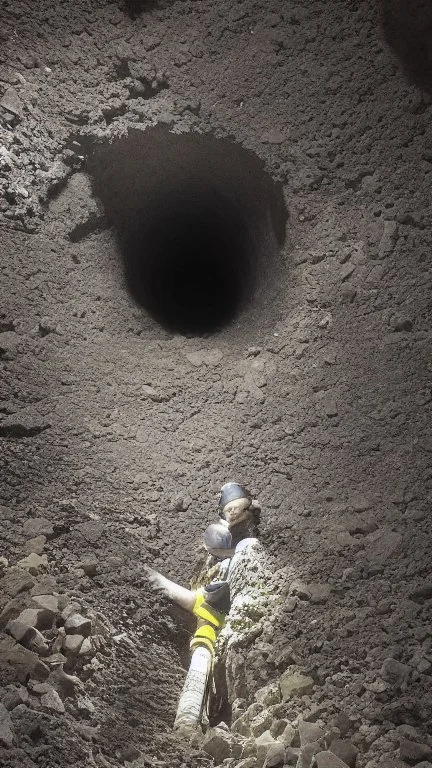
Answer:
x=239 y=519
x=209 y=597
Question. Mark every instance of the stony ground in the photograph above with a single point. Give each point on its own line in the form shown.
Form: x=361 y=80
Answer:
x=116 y=434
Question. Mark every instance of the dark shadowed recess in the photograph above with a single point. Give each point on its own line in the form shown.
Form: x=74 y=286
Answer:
x=135 y=8
x=407 y=26
x=199 y=224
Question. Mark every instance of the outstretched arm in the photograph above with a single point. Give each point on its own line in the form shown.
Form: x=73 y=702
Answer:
x=185 y=598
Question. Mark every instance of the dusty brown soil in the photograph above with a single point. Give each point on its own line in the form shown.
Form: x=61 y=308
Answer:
x=120 y=431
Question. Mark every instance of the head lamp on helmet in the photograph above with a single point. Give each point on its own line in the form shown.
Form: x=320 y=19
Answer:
x=231 y=492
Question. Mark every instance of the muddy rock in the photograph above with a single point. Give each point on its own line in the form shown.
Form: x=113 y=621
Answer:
x=287 y=736
x=306 y=757
x=328 y=760
x=268 y=695
x=33 y=563
x=394 y=672
x=52 y=701
x=309 y=732
x=261 y=723
x=47 y=603
x=264 y=743
x=217 y=744
x=413 y=752
x=15 y=581
x=76 y=624
x=36 y=545
x=389 y=238
x=9 y=342
x=275 y=756
x=38 y=526
x=21 y=661
x=382 y=546
x=300 y=589
x=15 y=697
x=345 y=751
x=72 y=644
x=293 y=683
x=6 y=728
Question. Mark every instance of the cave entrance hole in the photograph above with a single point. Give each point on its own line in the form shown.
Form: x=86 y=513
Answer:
x=199 y=224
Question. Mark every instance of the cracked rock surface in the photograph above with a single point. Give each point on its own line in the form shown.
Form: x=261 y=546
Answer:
x=116 y=435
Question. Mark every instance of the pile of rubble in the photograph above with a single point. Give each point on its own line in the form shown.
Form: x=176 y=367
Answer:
x=48 y=649
x=268 y=733
x=264 y=734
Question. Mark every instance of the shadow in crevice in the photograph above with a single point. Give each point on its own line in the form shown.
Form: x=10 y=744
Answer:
x=134 y=8
x=407 y=27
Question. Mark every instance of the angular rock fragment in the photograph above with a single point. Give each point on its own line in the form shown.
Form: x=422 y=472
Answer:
x=268 y=695
x=86 y=646
x=287 y=736
x=413 y=752
x=16 y=697
x=309 y=732
x=37 y=618
x=261 y=723
x=328 y=760
x=307 y=755
x=295 y=684
x=55 y=659
x=13 y=608
x=6 y=727
x=15 y=581
x=263 y=744
x=394 y=672
x=38 y=644
x=52 y=701
x=49 y=603
x=76 y=624
x=38 y=526
x=389 y=239
x=217 y=744
x=241 y=726
x=72 y=644
x=33 y=563
x=89 y=566
x=275 y=756
x=292 y=755
x=23 y=662
x=11 y=102
x=36 y=545
x=346 y=751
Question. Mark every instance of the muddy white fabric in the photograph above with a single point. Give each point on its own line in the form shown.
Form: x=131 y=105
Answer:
x=192 y=699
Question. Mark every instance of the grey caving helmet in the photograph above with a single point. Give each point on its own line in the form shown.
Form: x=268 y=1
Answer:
x=232 y=492
x=218 y=540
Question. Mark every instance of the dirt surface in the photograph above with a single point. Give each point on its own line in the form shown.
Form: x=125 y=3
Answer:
x=118 y=431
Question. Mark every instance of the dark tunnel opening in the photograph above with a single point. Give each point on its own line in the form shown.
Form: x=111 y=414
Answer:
x=407 y=26
x=198 y=222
